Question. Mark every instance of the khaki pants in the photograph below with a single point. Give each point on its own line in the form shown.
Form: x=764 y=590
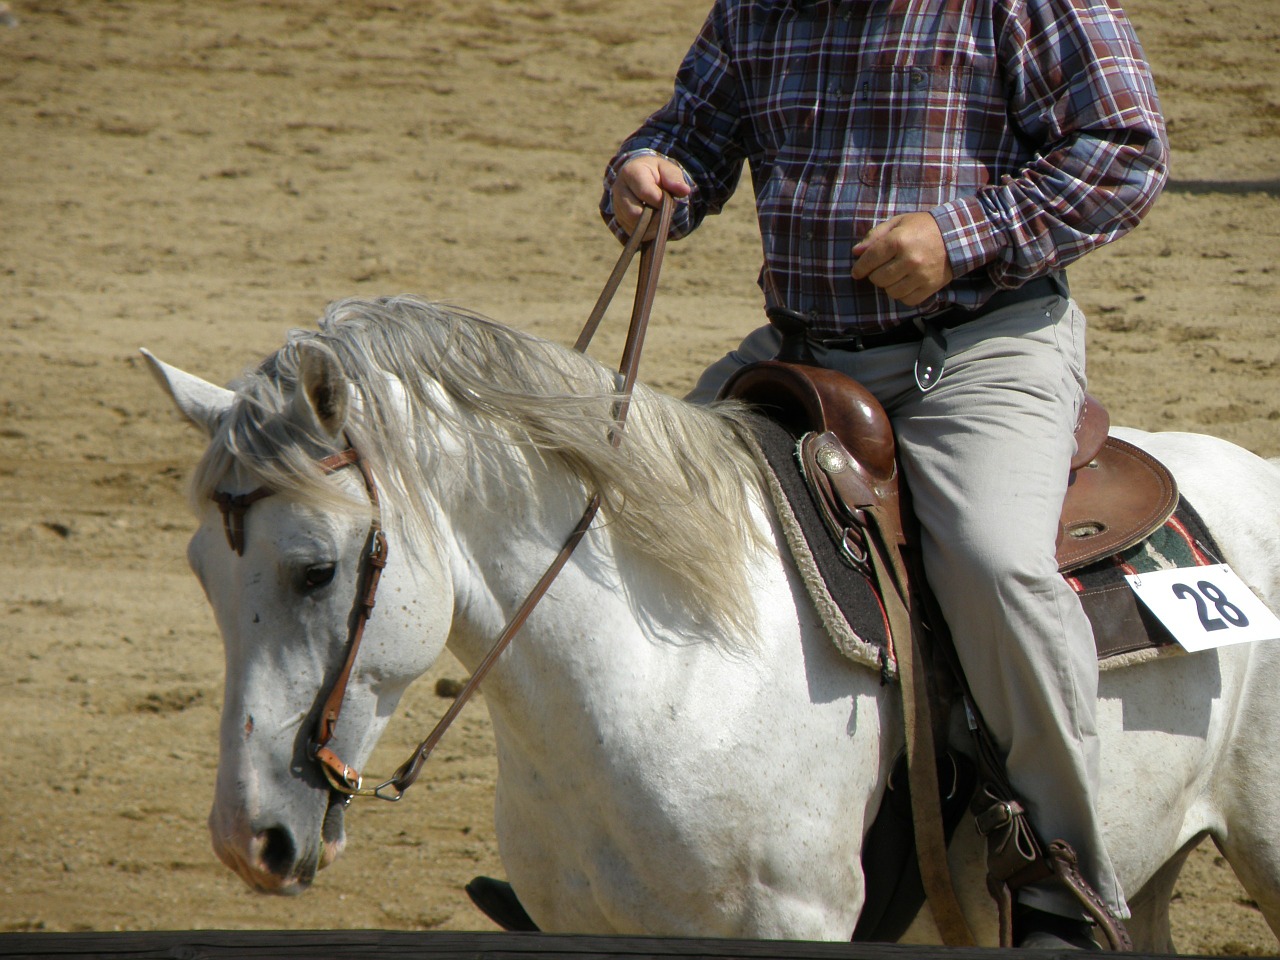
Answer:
x=986 y=454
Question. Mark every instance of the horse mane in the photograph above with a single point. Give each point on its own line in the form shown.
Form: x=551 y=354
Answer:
x=677 y=489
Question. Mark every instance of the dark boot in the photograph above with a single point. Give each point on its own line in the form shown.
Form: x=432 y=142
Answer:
x=497 y=901
x=1040 y=930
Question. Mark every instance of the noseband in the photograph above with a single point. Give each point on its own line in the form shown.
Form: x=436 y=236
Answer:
x=345 y=779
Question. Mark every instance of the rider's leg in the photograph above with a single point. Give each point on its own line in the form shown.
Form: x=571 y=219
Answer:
x=760 y=344
x=986 y=454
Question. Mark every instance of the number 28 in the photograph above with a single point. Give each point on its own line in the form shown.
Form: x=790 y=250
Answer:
x=1204 y=590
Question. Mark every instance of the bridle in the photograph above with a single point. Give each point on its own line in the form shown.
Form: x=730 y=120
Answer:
x=342 y=778
x=373 y=560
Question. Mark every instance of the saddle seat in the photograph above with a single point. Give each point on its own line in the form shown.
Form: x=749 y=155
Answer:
x=1117 y=494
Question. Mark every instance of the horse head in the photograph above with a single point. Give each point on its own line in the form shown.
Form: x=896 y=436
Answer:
x=285 y=597
x=476 y=447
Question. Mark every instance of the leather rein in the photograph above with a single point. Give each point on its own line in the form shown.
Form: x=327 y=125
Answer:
x=343 y=778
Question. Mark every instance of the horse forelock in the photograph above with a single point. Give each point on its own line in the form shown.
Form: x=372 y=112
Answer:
x=677 y=488
x=260 y=442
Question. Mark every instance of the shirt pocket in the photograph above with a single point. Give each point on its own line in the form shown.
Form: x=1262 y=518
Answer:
x=913 y=127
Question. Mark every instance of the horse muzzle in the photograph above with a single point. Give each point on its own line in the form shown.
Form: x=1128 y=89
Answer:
x=271 y=858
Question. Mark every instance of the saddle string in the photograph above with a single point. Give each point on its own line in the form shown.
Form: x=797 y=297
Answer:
x=919 y=734
x=345 y=779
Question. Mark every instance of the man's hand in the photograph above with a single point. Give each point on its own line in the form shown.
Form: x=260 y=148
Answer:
x=641 y=183
x=905 y=257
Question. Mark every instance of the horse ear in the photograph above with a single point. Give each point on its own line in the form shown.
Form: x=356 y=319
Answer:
x=201 y=402
x=323 y=391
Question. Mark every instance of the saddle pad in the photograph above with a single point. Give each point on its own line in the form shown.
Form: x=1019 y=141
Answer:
x=1124 y=631
x=850 y=607
x=845 y=598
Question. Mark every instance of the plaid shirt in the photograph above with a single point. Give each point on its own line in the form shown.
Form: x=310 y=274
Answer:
x=1029 y=129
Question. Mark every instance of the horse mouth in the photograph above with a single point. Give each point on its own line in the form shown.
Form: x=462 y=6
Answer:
x=261 y=875
x=287 y=887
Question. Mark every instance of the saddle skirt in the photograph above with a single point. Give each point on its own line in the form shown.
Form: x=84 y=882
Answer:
x=831 y=456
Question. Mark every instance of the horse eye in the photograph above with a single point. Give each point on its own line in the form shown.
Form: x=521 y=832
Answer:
x=318 y=575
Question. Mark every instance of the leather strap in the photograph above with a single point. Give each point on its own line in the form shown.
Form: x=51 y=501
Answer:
x=233 y=507
x=615 y=279
x=922 y=771
x=407 y=772
x=340 y=776
x=1066 y=867
x=932 y=356
x=862 y=510
x=646 y=287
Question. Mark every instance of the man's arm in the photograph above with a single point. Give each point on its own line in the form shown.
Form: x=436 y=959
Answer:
x=691 y=147
x=1081 y=88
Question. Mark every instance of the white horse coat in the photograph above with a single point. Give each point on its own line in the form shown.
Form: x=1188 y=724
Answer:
x=681 y=750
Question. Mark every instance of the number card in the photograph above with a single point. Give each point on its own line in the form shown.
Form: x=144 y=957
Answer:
x=1205 y=607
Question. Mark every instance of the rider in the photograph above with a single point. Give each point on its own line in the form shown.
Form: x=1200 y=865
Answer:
x=916 y=159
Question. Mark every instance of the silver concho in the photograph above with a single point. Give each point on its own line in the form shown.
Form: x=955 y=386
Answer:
x=831 y=458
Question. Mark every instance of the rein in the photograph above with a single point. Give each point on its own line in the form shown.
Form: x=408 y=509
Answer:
x=343 y=778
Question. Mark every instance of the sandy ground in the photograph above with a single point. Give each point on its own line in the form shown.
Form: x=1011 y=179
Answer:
x=199 y=177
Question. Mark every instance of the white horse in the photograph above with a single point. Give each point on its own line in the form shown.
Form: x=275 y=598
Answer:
x=681 y=749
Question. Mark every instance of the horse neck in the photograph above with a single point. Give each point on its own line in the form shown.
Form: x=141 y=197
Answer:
x=610 y=680
x=611 y=626
x=499 y=550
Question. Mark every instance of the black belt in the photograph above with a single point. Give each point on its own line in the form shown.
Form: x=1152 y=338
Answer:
x=913 y=331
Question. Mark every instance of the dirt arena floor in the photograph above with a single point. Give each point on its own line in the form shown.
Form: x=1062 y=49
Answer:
x=199 y=177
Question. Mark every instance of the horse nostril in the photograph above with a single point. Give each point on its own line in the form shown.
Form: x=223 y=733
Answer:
x=277 y=851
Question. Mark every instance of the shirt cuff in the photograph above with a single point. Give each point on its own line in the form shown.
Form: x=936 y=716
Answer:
x=968 y=234
x=681 y=223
